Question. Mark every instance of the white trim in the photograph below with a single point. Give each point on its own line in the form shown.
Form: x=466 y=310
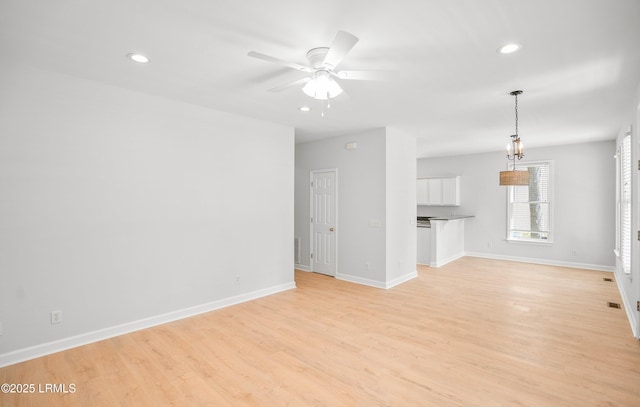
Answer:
x=628 y=307
x=48 y=348
x=360 y=280
x=375 y=283
x=530 y=241
x=302 y=267
x=442 y=262
x=586 y=266
x=402 y=279
x=551 y=202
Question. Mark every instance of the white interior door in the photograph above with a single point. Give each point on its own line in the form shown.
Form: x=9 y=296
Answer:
x=324 y=221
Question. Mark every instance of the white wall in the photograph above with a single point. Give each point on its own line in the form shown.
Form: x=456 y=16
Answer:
x=584 y=204
x=376 y=182
x=361 y=198
x=117 y=207
x=400 y=206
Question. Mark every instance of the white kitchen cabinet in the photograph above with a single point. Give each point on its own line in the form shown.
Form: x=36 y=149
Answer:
x=442 y=191
x=451 y=191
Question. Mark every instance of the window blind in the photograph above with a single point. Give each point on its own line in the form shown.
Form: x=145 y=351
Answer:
x=530 y=205
x=625 y=215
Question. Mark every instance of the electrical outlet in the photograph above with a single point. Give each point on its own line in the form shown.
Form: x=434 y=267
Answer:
x=237 y=280
x=56 y=317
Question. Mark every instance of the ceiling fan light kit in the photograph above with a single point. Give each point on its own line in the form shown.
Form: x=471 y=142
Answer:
x=322 y=86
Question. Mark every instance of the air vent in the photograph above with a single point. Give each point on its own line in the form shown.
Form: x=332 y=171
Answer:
x=613 y=305
x=607 y=279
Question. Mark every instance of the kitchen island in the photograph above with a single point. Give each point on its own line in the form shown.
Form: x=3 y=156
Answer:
x=445 y=240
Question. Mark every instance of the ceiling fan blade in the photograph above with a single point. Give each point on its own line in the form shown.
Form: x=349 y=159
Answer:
x=341 y=45
x=278 y=61
x=365 y=75
x=288 y=85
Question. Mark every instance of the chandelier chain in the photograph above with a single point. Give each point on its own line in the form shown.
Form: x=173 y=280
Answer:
x=516 y=95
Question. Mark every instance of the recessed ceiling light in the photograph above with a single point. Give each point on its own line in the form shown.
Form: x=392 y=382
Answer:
x=138 y=58
x=509 y=48
x=304 y=108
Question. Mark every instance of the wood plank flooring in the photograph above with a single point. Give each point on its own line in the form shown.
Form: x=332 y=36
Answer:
x=476 y=332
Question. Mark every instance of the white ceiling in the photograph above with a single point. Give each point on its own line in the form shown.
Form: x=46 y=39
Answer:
x=579 y=66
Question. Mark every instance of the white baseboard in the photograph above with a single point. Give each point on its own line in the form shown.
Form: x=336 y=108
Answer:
x=628 y=308
x=442 y=262
x=402 y=279
x=360 y=280
x=547 y=262
x=48 y=348
x=302 y=267
x=376 y=283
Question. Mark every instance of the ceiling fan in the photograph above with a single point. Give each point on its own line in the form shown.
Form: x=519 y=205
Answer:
x=323 y=61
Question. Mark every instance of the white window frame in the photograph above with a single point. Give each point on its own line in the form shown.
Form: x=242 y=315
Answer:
x=510 y=192
x=616 y=249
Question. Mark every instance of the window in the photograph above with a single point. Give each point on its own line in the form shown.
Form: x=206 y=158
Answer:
x=623 y=203
x=529 y=206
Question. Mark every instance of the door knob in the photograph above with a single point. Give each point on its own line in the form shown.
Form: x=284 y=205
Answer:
x=330 y=229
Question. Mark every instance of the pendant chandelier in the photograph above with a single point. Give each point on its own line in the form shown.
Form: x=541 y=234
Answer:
x=515 y=150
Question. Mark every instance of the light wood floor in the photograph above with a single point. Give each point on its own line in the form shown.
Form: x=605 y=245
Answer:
x=476 y=332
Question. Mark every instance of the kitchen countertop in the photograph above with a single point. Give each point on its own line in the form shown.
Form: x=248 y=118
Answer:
x=452 y=217
x=424 y=223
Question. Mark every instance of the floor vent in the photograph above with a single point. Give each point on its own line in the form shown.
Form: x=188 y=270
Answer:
x=613 y=305
x=607 y=279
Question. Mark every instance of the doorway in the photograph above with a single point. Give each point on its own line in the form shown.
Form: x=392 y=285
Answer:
x=324 y=221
